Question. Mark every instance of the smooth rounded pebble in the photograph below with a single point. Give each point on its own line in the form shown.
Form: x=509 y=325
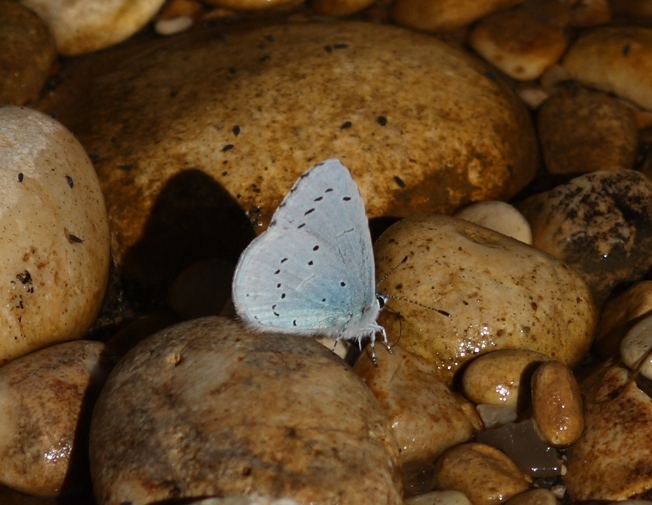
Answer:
x=620 y=314
x=583 y=131
x=87 y=26
x=248 y=4
x=612 y=458
x=599 y=223
x=636 y=346
x=498 y=216
x=438 y=498
x=615 y=59
x=501 y=377
x=340 y=7
x=54 y=234
x=46 y=400
x=244 y=500
x=500 y=294
x=518 y=43
x=27 y=55
x=410 y=390
x=556 y=404
x=534 y=497
x=207 y=407
x=444 y=15
x=484 y=474
x=209 y=131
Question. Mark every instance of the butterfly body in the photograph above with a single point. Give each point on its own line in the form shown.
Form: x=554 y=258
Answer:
x=311 y=272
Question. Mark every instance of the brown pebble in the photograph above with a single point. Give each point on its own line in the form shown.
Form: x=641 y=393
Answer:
x=557 y=404
x=484 y=474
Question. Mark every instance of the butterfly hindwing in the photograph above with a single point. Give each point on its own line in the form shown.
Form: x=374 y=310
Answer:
x=312 y=270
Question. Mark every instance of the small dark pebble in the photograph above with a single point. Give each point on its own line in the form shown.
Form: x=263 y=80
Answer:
x=381 y=120
x=328 y=49
x=236 y=130
x=346 y=125
x=20 y=177
x=418 y=477
x=227 y=147
x=341 y=46
x=627 y=49
x=74 y=239
x=94 y=157
x=510 y=169
x=491 y=75
x=399 y=181
x=233 y=70
x=271 y=37
x=71 y=183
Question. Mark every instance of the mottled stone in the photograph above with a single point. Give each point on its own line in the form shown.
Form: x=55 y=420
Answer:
x=54 y=234
x=518 y=42
x=615 y=59
x=534 y=497
x=83 y=27
x=500 y=294
x=340 y=7
x=46 y=400
x=599 y=223
x=207 y=407
x=27 y=55
x=209 y=131
x=584 y=131
x=612 y=460
x=444 y=15
x=424 y=414
x=484 y=474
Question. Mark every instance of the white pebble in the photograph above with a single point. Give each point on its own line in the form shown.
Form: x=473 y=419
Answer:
x=498 y=216
x=172 y=25
x=636 y=346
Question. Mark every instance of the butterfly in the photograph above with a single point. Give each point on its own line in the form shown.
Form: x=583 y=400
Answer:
x=312 y=273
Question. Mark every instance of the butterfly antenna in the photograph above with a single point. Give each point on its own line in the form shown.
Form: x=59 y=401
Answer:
x=402 y=262
x=422 y=305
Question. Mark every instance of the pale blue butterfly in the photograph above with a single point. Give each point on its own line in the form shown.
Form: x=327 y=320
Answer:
x=311 y=273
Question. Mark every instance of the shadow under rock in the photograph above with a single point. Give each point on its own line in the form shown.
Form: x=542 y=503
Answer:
x=193 y=218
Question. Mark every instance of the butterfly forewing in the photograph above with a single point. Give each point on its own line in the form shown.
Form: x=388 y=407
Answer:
x=313 y=268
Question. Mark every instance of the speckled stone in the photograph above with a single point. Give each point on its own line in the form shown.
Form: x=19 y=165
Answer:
x=209 y=132
x=54 y=234
x=208 y=408
x=484 y=474
x=584 y=131
x=599 y=223
x=500 y=294
x=27 y=55
x=444 y=15
x=615 y=59
x=518 y=42
x=613 y=457
x=46 y=400
x=87 y=26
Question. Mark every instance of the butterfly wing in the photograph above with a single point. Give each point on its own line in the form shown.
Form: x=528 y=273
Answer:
x=312 y=270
